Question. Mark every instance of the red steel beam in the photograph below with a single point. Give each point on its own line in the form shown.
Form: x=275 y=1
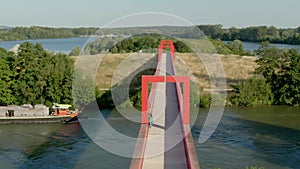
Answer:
x=175 y=79
x=145 y=81
x=166 y=44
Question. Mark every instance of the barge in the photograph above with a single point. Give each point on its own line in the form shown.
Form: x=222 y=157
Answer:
x=36 y=114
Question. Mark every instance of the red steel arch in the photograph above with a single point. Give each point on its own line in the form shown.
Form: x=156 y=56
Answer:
x=166 y=44
x=185 y=110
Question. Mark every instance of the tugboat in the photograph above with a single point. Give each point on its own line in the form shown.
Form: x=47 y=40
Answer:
x=64 y=110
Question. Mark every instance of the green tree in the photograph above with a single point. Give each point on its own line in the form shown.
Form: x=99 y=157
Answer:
x=6 y=93
x=212 y=31
x=83 y=90
x=35 y=76
x=252 y=92
x=234 y=33
x=76 y=51
x=236 y=47
x=41 y=77
x=221 y=47
x=181 y=47
x=205 y=100
x=282 y=71
x=273 y=34
x=29 y=79
x=288 y=84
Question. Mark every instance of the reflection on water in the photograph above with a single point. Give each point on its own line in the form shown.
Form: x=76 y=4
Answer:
x=36 y=145
x=245 y=137
x=60 y=149
x=268 y=137
x=59 y=146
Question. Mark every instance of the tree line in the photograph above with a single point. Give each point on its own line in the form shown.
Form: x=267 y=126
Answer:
x=253 y=34
x=248 y=34
x=35 y=76
x=149 y=43
x=37 y=32
x=146 y=42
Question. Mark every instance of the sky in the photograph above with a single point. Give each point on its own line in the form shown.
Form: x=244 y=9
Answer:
x=96 y=13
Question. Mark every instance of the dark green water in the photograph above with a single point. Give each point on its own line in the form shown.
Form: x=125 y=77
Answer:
x=266 y=137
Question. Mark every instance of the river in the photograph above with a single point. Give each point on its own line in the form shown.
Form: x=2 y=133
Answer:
x=65 y=45
x=267 y=137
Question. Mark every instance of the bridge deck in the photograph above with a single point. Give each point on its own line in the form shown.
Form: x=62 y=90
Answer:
x=154 y=151
x=174 y=146
x=164 y=146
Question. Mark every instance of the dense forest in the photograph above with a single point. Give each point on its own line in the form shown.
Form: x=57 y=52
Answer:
x=248 y=34
x=35 y=76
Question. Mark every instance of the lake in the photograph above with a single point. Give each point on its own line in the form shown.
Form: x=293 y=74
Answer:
x=266 y=137
x=254 y=46
x=65 y=45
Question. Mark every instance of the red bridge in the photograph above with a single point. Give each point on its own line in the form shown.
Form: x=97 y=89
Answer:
x=168 y=144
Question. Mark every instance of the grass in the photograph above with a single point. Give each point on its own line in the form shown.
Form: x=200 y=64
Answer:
x=236 y=68
x=107 y=68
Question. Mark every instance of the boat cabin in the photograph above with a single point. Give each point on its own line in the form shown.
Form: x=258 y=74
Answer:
x=61 y=109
